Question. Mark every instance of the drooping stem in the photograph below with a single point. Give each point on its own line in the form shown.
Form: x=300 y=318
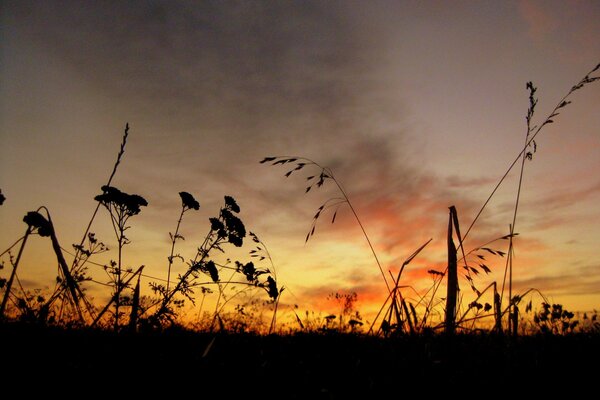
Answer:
x=13 y=273
x=362 y=229
x=71 y=283
x=327 y=173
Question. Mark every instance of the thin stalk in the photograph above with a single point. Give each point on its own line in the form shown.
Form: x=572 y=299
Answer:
x=410 y=324
x=202 y=253
x=462 y=319
x=344 y=194
x=116 y=165
x=392 y=293
x=112 y=299
x=274 y=318
x=221 y=290
x=14 y=272
x=509 y=266
x=530 y=111
x=429 y=306
x=201 y=305
x=72 y=285
x=274 y=272
x=561 y=103
x=12 y=245
x=362 y=228
x=133 y=317
x=118 y=284
x=173 y=240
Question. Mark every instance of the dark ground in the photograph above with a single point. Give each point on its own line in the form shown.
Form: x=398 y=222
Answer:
x=301 y=366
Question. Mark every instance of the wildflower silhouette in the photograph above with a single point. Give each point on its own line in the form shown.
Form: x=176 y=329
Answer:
x=121 y=206
x=188 y=202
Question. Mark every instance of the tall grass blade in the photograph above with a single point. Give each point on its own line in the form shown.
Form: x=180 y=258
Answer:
x=452 y=277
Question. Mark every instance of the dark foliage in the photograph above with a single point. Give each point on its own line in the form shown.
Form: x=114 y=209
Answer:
x=306 y=366
x=188 y=201
x=35 y=220
x=129 y=203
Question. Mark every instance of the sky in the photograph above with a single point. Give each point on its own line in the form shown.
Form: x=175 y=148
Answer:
x=414 y=105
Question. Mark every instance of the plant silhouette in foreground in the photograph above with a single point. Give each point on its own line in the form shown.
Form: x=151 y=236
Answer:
x=68 y=295
x=121 y=207
x=261 y=252
x=43 y=226
x=322 y=175
x=225 y=229
x=453 y=307
x=188 y=202
x=526 y=153
x=68 y=304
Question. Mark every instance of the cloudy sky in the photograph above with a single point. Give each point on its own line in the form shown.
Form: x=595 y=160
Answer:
x=415 y=106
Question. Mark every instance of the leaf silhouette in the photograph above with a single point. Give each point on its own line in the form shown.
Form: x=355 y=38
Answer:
x=35 y=220
x=267 y=159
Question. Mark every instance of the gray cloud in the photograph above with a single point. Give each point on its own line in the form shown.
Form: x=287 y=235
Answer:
x=202 y=56
x=213 y=86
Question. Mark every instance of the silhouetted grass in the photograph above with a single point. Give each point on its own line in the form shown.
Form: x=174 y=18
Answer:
x=301 y=366
x=68 y=305
x=398 y=311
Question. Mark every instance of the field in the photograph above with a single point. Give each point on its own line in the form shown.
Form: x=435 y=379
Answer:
x=299 y=366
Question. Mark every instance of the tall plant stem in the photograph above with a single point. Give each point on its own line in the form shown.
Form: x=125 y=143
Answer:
x=77 y=255
x=112 y=174
x=107 y=306
x=13 y=273
x=327 y=173
x=452 y=276
x=509 y=259
x=173 y=240
x=119 y=281
x=561 y=103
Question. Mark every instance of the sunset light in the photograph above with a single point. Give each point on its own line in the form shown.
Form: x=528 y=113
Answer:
x=273 y=167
